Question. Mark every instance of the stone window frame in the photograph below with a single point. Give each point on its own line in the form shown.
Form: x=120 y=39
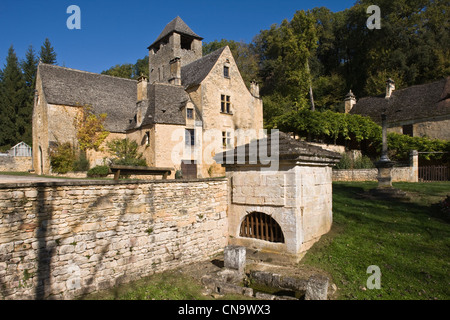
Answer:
x=225 y=104
x=147 y=138
x=189 y=113
x=189 y=137
x=226 y=69
x=227 y=139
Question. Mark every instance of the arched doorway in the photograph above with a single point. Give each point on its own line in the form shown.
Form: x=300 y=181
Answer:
x=258 y=225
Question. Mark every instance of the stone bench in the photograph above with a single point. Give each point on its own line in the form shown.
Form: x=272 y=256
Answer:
x=118 y=170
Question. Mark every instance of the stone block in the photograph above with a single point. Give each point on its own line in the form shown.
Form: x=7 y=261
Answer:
x=317 y=288
x=235 y=257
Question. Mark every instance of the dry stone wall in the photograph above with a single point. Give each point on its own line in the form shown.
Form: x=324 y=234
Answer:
x=64 y=240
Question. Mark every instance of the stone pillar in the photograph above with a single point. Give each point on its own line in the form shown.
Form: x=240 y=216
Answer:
x=235 y=257
x=349 y=101
x=384 y=165
x=384 y=150
x=414 y=165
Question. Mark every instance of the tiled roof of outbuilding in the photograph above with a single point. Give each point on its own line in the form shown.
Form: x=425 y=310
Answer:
x=289 y=149
x=412 y=103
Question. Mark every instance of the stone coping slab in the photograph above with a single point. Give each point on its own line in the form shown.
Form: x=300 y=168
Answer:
x=55 y=182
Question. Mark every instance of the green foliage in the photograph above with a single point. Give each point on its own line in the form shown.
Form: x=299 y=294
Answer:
x=345 y=162
x=121 y=70
x=284 y=51
x=129 y=70
x=81 y=163
x=62 y=158
x=126 y=152
x=90 y=130
x=13 y=96
x=98 y=172
x=47 y=53
x=361 y=162
x=399 y=146
x=329 y=125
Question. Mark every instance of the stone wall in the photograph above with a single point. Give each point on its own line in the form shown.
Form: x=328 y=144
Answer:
x=66 y=239
x=18 y=164
x=406 y=174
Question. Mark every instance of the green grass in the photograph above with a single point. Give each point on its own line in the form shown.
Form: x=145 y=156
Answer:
x=169 y=285
x=407 y=240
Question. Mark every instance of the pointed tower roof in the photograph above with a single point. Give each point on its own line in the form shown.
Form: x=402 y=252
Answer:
x=176 y=25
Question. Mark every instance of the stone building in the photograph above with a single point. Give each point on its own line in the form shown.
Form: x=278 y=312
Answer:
x=418 y=111
x=188 y=109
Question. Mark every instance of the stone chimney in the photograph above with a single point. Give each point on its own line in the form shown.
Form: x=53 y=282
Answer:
x=349 y=101
x=142 y=88
x=175 y=71
x=254 y=89
x=390 y=87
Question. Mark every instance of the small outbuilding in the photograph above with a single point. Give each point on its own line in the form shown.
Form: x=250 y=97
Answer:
x=280 y=194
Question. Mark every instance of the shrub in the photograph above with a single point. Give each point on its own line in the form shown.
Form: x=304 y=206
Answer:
x=82 y=163
x=126 y=152
x=346 y=162
x=98 y=172
x=363 y=162
x=62 y=158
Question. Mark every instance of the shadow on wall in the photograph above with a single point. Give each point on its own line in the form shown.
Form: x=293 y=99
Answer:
x=49 y=244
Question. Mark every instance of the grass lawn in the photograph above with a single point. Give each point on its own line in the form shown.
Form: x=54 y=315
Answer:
x=408 y=241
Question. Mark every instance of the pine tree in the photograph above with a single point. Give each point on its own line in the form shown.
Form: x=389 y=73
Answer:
x=29 y=67
x=47 y=54
x=12 y=100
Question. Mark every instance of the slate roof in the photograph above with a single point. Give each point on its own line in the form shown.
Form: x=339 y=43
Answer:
x=111 y=95
x=165 y=104
x=289 y=149
x=176 y=25
x=409 y=104
x=194 y=73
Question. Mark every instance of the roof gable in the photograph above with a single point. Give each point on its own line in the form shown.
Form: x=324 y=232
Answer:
x=195 y=72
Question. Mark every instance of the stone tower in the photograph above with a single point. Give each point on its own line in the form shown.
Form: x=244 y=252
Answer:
x=175 y=47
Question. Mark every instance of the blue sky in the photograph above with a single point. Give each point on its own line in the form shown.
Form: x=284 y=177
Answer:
x=116 y=32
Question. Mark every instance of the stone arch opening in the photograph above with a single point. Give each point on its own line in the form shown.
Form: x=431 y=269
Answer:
x=258 y=225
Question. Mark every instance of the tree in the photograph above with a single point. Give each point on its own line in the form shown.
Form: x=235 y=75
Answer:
x=29 y=68
x=90 y=130
x=47 y=54
x=12 y=100
x=126 y=152
x=129 y=70
x=284 y=52
x=121 y=70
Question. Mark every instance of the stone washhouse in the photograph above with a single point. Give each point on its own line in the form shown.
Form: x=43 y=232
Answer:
x=279 y=195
